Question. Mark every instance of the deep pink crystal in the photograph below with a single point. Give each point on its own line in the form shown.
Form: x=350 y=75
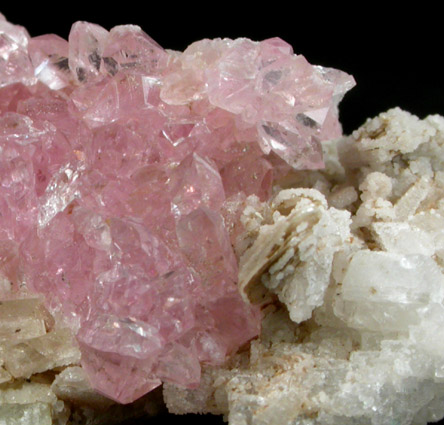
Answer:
x=120 y=164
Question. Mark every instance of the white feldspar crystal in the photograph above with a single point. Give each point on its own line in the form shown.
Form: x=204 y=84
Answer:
x=72 y=385
x=292 y=256
x=349 y=269
x=380 y=290
x=55 y=349
x=21 y=319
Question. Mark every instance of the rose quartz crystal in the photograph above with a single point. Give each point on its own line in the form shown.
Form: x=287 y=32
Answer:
x=119 y=163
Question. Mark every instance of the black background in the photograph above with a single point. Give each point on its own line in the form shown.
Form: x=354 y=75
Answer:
x=394 y=54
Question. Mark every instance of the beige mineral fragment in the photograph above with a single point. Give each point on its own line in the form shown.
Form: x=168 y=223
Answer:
x=292 y=256
x=41 y=381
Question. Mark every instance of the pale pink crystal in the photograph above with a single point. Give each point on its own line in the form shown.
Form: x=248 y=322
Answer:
x=49 y=57
x=129 y=49
x=86 y=43
x=121 y=166
x=15 y=65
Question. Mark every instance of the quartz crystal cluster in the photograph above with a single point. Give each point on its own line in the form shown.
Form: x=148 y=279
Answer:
x=124 y=171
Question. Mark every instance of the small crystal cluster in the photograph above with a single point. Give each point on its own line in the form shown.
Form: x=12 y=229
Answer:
x=123 y=171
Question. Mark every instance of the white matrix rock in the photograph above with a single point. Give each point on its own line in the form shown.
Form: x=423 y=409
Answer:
x=347 y=265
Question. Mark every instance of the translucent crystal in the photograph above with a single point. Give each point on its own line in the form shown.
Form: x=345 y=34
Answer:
x=40 y=354
x=118 y=161
x=49 y=57
x=15 y=65
x=72 y=384
x=21 y=319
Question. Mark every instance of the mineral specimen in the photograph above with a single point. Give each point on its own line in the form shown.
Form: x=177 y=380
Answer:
x=124 y=169
x=174 y=217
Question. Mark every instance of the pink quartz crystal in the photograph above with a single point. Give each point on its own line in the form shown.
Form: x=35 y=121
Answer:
x=120 y=166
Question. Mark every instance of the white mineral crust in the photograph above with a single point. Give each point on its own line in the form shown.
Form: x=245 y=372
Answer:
x=348 y=267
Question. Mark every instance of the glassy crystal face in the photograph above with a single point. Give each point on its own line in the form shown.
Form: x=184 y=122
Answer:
x=120 y=163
